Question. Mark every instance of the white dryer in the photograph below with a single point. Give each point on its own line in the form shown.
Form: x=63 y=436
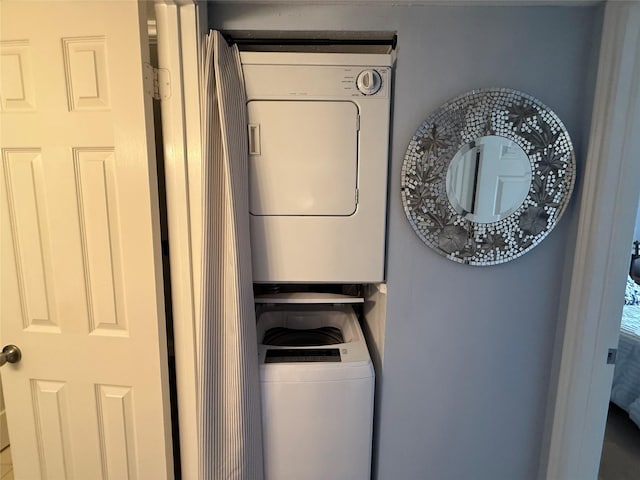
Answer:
x=317 y=385
x=318 y=143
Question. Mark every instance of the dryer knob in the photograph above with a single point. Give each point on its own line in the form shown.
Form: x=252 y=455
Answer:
x=369 y=82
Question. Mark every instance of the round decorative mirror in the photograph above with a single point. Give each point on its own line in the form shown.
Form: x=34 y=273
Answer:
x=487 y=176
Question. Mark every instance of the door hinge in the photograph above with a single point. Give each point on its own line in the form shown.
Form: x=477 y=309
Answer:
x=357 y=195
x=611 y=356
x=157 y=82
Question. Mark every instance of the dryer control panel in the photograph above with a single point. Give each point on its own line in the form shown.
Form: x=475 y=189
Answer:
x=315 y=81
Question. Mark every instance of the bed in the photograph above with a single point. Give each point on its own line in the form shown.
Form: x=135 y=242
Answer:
x=625 y=391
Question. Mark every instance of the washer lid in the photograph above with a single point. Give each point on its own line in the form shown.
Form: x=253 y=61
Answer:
x=308 y=298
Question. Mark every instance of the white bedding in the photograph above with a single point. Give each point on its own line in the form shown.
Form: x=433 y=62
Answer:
x=625 y=391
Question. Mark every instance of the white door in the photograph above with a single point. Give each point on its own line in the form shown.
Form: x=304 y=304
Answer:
x=81 y=271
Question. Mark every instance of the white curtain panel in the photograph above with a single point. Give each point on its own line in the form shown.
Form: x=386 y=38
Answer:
x=229 y=396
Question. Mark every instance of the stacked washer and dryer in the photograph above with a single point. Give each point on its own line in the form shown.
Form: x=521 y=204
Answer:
x=318 y=143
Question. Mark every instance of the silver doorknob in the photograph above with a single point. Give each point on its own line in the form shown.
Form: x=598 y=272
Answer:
x=11 y=354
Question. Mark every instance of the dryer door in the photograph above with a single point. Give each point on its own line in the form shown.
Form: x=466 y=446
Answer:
x=303 y=157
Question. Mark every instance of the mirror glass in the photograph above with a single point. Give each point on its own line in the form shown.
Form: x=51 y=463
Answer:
x=488 y=179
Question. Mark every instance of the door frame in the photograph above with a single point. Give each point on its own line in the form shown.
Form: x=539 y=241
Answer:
x=581 y=378
x=181 y=26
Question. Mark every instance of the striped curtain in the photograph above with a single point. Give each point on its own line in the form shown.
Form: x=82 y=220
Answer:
x=229 y=397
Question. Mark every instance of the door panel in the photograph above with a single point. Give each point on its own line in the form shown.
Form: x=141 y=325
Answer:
x=505 y=175
x=4 y=431
x=81 y=271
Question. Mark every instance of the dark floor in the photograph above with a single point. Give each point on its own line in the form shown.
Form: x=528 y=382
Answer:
x=621 y=450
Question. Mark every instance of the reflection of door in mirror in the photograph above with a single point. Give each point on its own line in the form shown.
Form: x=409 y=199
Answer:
x=488 y=179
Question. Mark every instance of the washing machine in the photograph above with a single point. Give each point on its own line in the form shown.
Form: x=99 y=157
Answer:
x=318 y=136
x=317 y=384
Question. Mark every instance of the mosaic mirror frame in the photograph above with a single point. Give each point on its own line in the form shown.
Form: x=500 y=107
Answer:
x=492 y=111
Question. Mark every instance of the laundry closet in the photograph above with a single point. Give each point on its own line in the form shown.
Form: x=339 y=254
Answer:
x=445 y=321
x=318 y=135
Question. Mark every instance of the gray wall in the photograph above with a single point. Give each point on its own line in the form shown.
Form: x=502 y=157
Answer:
x=467 y=360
